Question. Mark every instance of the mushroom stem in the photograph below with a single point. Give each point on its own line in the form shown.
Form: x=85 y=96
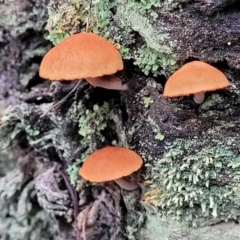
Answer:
x=128 y=185
x=199 y=97
x=108 y=82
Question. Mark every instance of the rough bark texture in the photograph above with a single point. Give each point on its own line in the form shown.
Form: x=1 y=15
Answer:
x=190 y=179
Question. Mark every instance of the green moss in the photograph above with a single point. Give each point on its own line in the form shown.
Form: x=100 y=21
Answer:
x=125 y=52
x=156 y=129
x=72 y=171
x=72 y=17
x=155 y=62
x=146 y=6
x=100 y=16
x=66 y=20
x=93 y=121
x=91 y=124
x=155 y=55
x=200 y=187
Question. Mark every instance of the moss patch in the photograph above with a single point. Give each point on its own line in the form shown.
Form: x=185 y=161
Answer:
x=199 y=187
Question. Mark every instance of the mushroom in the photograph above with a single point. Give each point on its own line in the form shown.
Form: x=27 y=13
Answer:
x=112 y=163
x=195 y=78
x=108 y=82
x=84 y=56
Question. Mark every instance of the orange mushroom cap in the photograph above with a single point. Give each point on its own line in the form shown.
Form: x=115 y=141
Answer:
x=194 y=77
x=81 y=55
x=110 y=163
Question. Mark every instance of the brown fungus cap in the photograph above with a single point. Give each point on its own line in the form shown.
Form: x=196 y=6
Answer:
x=81 y=55
x=195 y=77
x=110 y=163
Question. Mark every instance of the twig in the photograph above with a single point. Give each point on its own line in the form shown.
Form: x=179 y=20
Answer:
x=37 y=96
x=84 y=222
x=74 y=198
x=59 y=103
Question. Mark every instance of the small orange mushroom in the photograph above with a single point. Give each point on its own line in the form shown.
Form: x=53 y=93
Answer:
x=195 y=78
x=84 y=56
x=112 y=163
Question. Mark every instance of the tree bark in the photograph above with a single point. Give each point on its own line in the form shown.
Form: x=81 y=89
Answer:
x=190 y=178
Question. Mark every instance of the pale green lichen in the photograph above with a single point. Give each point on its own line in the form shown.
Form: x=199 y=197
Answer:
x=199 y=188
